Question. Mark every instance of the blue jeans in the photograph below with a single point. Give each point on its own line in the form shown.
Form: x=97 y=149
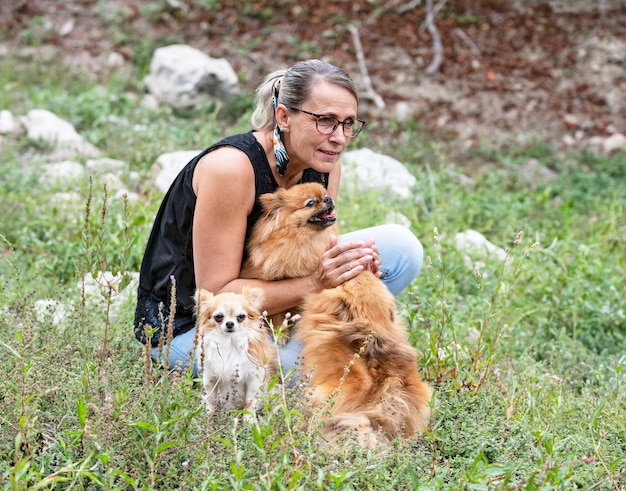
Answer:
x=401 y=256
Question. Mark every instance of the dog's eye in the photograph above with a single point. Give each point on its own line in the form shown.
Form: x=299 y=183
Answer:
x=218 y=317
x=241 y=317
x=311 y=203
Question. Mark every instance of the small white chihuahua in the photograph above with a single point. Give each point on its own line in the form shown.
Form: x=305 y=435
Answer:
x=234 y=352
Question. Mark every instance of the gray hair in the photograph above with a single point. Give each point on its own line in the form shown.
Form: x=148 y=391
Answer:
x=295 y=88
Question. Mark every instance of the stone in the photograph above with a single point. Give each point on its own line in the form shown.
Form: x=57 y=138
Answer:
x=121 y=286
x=476 y=245
x=181 y=76
x=398 y=218
x=365 y=169
x=104 y=165
x=607 y=146
x=8 y=124
x=169 y=165
x=43 y=125
x=115 y=60
x=51 y=312
x=614 y=143
x=63 y=173
x=46 y=126
x=67 y=27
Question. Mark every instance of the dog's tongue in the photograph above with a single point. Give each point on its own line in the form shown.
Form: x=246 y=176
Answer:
x=324 y=219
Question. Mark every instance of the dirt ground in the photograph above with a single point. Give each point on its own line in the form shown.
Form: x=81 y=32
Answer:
x=511 y=70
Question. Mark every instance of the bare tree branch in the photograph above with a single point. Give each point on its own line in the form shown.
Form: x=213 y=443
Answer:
x=370 y=93
x=435 y=11
x=391 y=4
x=431 y=13
x=467 y=40
x=408 y=6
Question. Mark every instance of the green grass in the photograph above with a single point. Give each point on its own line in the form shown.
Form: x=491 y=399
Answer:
x=526 y=356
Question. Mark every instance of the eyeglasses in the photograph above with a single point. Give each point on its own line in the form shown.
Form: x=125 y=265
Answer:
x=327 y=125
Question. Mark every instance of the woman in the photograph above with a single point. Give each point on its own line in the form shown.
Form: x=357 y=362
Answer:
x=304 y=119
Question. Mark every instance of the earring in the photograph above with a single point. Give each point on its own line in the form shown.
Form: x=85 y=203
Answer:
x=282 y=159
x=284 y=129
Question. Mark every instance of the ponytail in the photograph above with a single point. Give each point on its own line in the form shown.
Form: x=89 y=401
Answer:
x=263 y=115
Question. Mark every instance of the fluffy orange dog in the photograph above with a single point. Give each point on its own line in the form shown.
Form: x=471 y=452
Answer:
x=234 y=354
x=291 y=235
x=363 y=370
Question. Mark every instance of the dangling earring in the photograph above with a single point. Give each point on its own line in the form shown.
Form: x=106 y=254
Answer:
x=282 y=159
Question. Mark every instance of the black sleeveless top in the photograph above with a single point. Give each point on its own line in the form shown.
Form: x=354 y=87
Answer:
x=169 y=252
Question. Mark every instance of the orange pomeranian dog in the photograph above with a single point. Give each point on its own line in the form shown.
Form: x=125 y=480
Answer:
x=290 y=236
x=234 y=354
x=363 y=370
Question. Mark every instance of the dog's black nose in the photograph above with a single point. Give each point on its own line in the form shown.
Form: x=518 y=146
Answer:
x=328 y=201
x=230 y=325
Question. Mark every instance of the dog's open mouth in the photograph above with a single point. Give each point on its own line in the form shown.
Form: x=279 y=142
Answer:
x=325 y=218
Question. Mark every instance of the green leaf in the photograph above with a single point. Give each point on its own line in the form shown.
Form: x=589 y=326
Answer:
x=145 y=426
x=81 y=411
x=593 y=420
x=12 y=350
x=49 y=481
x=258 y=438
x=104 y=458
x=414 y=479
x=165 y=445
x=223 y=441
x=125 y=477
x=125 y=281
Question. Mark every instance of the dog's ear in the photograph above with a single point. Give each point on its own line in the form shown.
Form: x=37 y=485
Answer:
x=202 y=298
x=272 y=202
x=254 y=295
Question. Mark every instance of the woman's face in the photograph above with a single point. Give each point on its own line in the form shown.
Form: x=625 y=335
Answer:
x=305 y=144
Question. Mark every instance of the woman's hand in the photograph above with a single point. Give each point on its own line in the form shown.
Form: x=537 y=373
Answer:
x=374 y=265
x=345 y=260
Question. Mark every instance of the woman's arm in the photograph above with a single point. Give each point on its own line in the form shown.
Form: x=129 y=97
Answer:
x=224 y=185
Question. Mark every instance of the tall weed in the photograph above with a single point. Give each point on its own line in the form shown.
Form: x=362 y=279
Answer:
x=463 y=350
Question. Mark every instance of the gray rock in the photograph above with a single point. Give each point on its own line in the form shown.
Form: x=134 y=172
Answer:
x=398 y=218
x=169 y=165
x=614 y=143
x=43 y=125
x=105 y=165
x=476 y=245
x=9 y=125
x=51 y=312
x=181 y=76
x=364 y=169
x=63 y=174
x=609 y=145
x=97 y=287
